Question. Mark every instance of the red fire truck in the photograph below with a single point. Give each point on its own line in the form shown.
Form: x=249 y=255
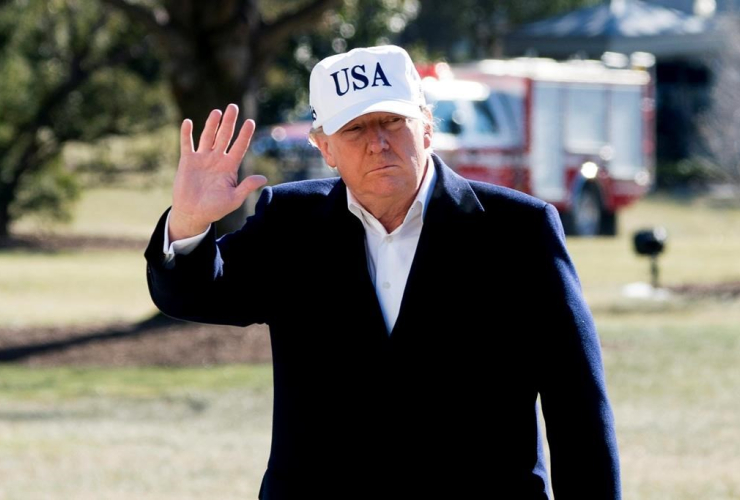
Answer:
x=578 y=134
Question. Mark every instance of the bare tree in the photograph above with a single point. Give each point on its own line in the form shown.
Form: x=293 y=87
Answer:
x=719 y=126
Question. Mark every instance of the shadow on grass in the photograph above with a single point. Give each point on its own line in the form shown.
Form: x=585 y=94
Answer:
x=150 y=326
x=53 y=243
x=677 y=298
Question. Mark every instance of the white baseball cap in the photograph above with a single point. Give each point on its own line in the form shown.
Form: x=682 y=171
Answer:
x=364 y=80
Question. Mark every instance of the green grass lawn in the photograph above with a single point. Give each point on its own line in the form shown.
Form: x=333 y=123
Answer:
x=55 y=385
x=672 y=370
x=672 y=366
x=111 y=211
x=703 y=246
x=674 y=381
x=84 y=286
x=121 y=434
x=72 y=287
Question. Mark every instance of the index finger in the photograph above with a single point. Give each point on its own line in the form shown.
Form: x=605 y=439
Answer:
x=241 y=144
x=186 y=137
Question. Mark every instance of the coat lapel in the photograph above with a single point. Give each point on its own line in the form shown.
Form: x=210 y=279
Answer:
x=453 y=206
x=347 y=244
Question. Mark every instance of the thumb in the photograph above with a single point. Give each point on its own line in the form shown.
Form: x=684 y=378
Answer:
x=250 y=184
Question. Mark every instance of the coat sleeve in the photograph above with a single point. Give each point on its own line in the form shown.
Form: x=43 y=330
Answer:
x=578 y=417
x=222 y=281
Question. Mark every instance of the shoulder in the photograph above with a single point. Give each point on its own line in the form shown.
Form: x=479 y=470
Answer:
x=317 y=188
x=493 y=200
x=520 y=210
x=506 y=210
x=508 y=207
x=295 y=204
x=496 y=197
x=302 y=193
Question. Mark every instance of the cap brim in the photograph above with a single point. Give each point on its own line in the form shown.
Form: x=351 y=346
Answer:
x=405 y=108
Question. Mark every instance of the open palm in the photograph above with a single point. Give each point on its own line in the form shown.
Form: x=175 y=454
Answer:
x=206 y=185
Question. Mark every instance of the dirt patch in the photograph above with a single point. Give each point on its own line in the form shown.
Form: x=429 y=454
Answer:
x=59 y=242
x=723 y=291
x=159 y=341
x=162 y=341
x=51 y=242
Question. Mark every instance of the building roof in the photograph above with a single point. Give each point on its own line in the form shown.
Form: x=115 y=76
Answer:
x=620 y=26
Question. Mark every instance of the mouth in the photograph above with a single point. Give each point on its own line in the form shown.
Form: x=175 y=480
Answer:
x=382 y=168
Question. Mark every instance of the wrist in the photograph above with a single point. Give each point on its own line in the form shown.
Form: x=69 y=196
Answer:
x=182 y=225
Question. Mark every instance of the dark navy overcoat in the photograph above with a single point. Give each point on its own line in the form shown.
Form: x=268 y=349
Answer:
x=446 y=405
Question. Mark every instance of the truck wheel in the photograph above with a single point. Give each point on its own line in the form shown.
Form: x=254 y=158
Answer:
x=586 y=216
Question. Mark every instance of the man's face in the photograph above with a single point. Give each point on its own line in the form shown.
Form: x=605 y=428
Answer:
x=380 y=156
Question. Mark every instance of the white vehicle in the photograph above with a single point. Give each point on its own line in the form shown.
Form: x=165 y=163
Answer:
x=577 y=134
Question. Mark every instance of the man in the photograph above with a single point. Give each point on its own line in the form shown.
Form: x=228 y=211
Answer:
x=415 y=316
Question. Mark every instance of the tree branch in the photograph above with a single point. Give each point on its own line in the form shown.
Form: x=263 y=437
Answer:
x=80 y=72
x=245 y=13
x=282 y=28
x=139 y=14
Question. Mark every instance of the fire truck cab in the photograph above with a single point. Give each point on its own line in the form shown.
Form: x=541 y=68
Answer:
x=577 y=134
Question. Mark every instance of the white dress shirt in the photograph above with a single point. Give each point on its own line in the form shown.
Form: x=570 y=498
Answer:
x=389 y=256
x=182 y=247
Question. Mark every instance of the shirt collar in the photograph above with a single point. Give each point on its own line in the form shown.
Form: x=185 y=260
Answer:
x=421 y=200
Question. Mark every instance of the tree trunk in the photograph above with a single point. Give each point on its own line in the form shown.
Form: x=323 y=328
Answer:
x=217 y=53
x=4 y=216
x=203 y=84
x=17 y=164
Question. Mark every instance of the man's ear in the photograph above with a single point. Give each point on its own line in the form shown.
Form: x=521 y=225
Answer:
x=428 y=136
x=428 y=129
x=322 y=142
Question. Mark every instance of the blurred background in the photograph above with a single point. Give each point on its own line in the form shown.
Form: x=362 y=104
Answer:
x=624 y=114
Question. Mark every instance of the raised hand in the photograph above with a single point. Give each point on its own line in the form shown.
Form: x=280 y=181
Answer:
x=206 y=184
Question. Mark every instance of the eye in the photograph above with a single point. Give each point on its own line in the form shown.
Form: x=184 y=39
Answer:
x=351 y=128
x=394 y=122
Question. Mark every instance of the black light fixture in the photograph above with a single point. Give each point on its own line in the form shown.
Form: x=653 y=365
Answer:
x=651 y=242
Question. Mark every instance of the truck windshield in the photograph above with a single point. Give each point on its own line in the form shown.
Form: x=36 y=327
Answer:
x=449 y=119
x=469 y=117
x=484 y=122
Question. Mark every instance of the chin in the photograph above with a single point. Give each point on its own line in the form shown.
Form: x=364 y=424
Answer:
x=389 y=183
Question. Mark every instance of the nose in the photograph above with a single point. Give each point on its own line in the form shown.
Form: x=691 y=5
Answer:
x=377 y=140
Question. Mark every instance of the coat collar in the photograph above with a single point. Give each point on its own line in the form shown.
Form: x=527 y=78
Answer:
x=452 y=197
x=452 y=207
x=453 y=210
